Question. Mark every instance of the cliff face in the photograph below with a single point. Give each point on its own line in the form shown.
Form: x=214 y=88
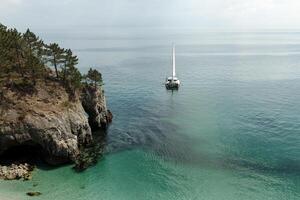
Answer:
x=94 y=103
x=48 y=119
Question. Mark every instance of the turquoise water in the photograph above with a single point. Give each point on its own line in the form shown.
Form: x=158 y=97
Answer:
x=230 y=132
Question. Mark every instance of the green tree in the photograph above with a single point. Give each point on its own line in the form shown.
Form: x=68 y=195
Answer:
x=25 y=57
x=34 y=44
x=94 y=76
x=74 y=78
x=55 y=56
x=14 y=52
x=69 y=63
x=4 y=62
x=34 y=53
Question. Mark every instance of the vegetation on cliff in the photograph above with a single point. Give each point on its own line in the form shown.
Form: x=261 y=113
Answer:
x=25 y=59
x=46 y=105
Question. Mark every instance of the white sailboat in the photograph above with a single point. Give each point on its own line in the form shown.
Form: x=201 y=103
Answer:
x=173 y=82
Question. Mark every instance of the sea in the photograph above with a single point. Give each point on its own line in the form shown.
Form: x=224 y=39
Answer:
x=231 y=131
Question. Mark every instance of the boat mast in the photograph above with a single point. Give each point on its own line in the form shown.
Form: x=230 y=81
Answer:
x=174 y=73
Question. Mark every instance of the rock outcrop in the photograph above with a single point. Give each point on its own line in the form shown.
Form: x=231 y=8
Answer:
x=94 y=103
x=47 y=118
x=13 y=171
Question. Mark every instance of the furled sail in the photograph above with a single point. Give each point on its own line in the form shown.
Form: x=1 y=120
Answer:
x=174 y=72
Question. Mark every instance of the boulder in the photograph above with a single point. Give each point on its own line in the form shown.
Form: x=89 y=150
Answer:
x=33 y=194
x=16 y=171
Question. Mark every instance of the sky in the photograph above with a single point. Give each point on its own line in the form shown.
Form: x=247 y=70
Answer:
x=205 y=14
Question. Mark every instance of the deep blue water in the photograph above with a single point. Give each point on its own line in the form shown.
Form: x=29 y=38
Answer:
x=232 y=131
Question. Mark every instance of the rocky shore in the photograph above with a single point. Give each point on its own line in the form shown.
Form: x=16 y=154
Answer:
x=16 y=171
x=48 y=120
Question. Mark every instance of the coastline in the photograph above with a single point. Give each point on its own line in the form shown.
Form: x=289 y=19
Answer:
x=48 y=108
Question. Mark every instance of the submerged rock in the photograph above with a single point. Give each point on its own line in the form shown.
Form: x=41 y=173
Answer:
x=90 y=154
x=33 y=194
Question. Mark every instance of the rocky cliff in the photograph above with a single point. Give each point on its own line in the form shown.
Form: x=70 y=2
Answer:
x=94 y=103
x=48 y=119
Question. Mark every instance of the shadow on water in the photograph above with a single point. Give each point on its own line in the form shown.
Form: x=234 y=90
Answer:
x=164 y=140
x=142 y=127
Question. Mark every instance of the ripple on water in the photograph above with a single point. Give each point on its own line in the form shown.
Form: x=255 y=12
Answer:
x=230 y=132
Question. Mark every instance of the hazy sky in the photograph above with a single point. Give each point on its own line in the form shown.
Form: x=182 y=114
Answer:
x=207 y=14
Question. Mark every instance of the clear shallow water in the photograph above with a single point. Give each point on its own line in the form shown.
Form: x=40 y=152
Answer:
x=230 y=132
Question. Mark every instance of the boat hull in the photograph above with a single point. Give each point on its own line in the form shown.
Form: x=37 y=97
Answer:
x=172 y=86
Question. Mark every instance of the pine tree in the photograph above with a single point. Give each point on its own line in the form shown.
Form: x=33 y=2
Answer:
x=94 y=76
x=4 y=62
x=25 y=57
x=15 y=52
x=34 y=52
x=34 y=43
x=70 y=61
x=74 y=78
x=55 y=56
